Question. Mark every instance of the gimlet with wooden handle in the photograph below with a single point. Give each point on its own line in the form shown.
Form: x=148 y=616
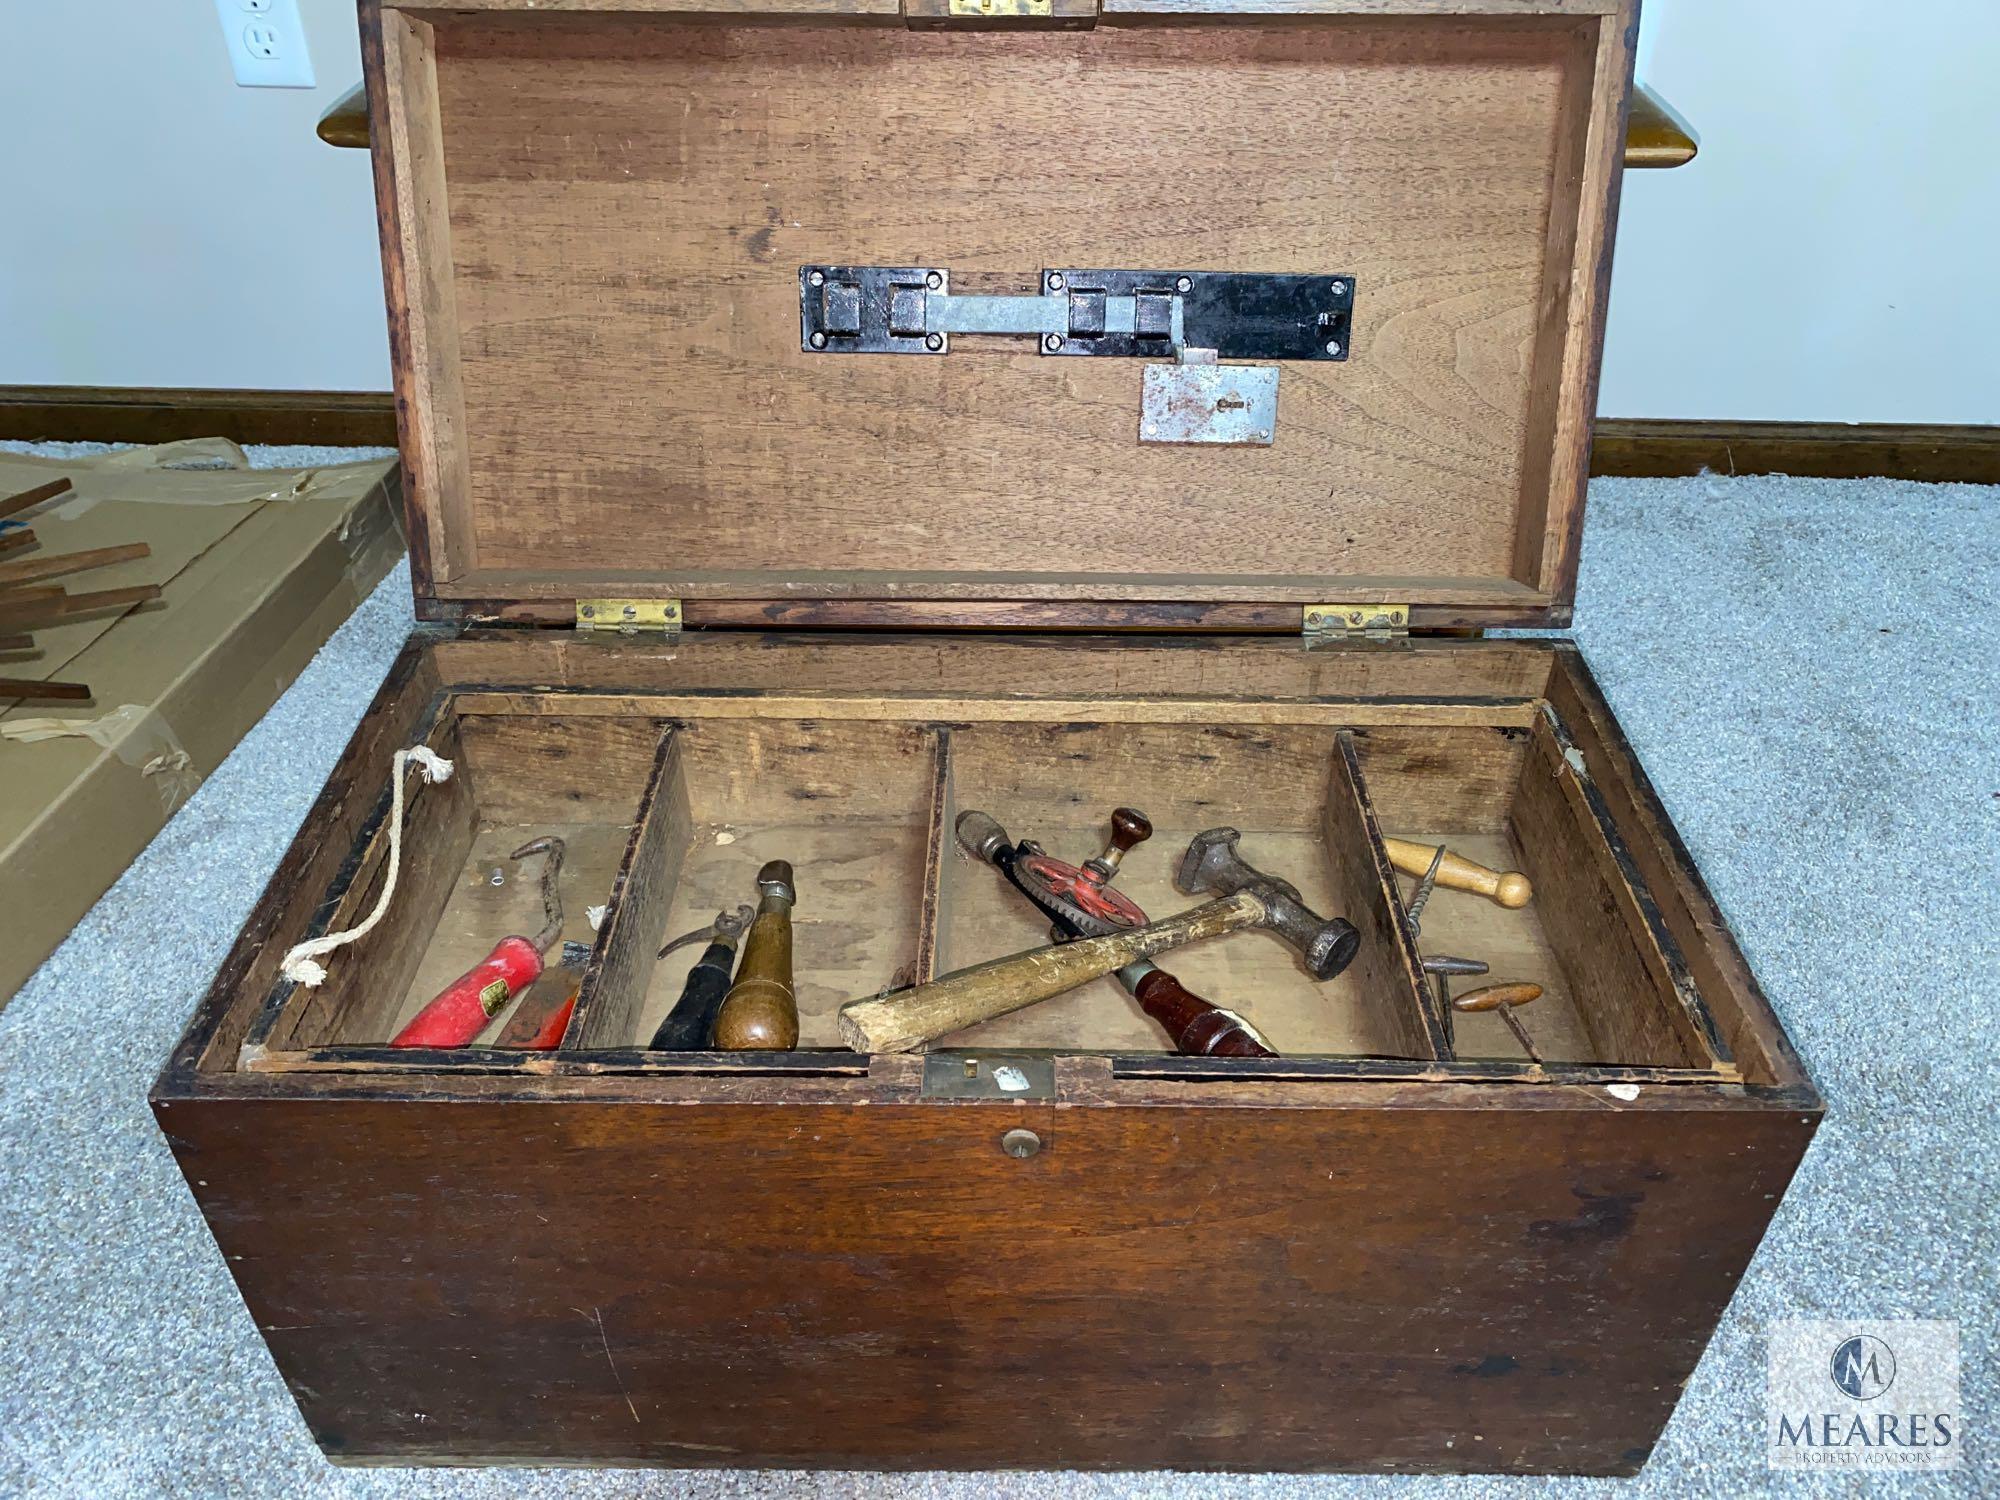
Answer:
x=1509 y=888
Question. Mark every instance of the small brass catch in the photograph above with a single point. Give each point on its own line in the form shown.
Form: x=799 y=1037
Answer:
x=1373 y=622
x=629 y=616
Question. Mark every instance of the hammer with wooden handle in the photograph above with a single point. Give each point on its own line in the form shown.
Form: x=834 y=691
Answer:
x=1198 y=1028
x=1509 y=888
x=908 y=1018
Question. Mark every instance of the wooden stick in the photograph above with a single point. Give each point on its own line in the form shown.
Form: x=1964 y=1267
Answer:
x=13 y=505
x=898 y=1022
x=12 y=540
x=34 y=569
x=39 y=608
x=28 y=687
x=83 y=604
x=1510 y=889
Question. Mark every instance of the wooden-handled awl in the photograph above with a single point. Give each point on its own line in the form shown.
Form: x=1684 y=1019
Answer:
x=1509 y=888
x=761 y=1011
x=908 y=1018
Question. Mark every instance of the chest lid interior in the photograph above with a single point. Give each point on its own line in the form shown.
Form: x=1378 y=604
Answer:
x=600 y=218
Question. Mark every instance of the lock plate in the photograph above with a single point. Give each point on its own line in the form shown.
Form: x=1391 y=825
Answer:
x=1234 y=405
x=988 y=1075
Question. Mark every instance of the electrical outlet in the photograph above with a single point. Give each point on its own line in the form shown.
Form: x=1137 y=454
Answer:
x=267 y=43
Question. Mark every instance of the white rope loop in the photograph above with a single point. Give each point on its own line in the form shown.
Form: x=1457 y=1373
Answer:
x=301 y=964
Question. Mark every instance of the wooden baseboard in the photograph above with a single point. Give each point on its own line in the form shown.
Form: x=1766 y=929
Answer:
x=1626 y=447
x=1644 y=449
x=93 y=414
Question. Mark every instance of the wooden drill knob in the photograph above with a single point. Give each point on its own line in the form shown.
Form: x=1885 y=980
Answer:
x=1129 y=826
x=1493 y=996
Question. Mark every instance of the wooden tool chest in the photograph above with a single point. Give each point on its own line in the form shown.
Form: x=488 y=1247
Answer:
x=820 y=419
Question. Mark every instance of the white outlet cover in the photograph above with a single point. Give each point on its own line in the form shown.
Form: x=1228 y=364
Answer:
x=267 y=43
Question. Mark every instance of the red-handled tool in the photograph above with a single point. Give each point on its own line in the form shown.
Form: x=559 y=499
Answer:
x=464 y=1007
x=539 y=1021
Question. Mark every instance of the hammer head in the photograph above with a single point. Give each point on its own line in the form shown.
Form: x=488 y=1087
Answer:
x=1212 y=866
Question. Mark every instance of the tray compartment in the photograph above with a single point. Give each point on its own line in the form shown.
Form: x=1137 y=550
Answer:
x=365 y=979
x=1614 y=991
x=1284 y=787
x=516 y=778
x=849 y=803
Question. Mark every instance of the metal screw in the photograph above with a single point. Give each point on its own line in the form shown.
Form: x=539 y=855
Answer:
x=1354 y=617
x=1340 y=289
x=1056 y=282
x=818 y=340
x=816 y=278
x=631 y=612
x=1333 y=346
x=1052 y=342
x=1313 y=618
x=1020 y=1144
x=1185 y=284
x=589 y=611
x=1263 y=436
x=1152 y=429
x=499 y=876
x=934 y=341
x=934 y=280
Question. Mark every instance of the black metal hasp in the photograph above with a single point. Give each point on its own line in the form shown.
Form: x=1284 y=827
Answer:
x=1127 y=314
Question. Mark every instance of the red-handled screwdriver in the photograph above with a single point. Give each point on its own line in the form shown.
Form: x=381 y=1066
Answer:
x=464 y=1007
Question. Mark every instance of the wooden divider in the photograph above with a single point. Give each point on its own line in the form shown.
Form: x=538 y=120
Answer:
x=1388 y=960
x=621 y=961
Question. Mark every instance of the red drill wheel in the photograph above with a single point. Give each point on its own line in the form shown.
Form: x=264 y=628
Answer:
x=1069 y=884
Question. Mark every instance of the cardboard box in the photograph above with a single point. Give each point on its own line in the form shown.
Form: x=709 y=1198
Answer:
x=256 y=568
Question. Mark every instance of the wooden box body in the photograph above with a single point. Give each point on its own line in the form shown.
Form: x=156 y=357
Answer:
x=1400 y=1245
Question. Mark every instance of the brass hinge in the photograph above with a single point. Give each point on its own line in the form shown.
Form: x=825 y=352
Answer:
x=629 y=616
x=1374 y=622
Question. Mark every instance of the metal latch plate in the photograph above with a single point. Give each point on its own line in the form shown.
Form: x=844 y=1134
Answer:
x=988 y=1075
x=1128 y=314
x=1228 y=404
x=628 y=616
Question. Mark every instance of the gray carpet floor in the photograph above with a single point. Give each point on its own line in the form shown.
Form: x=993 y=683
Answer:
x=1808 y=669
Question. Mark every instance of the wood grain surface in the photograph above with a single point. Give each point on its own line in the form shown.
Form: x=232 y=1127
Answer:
x=878 y=1286
x=595 y=238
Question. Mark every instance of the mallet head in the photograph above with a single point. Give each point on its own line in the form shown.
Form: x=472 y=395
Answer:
x=1212 y=865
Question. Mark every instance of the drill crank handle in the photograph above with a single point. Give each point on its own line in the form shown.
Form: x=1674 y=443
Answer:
x=908 y=1018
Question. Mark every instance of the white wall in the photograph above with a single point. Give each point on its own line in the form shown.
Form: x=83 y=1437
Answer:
x=1830 y=254
x=162 y=226
x=1825 y=258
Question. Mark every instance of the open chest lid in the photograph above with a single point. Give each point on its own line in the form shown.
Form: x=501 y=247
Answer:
x=1118 y=312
